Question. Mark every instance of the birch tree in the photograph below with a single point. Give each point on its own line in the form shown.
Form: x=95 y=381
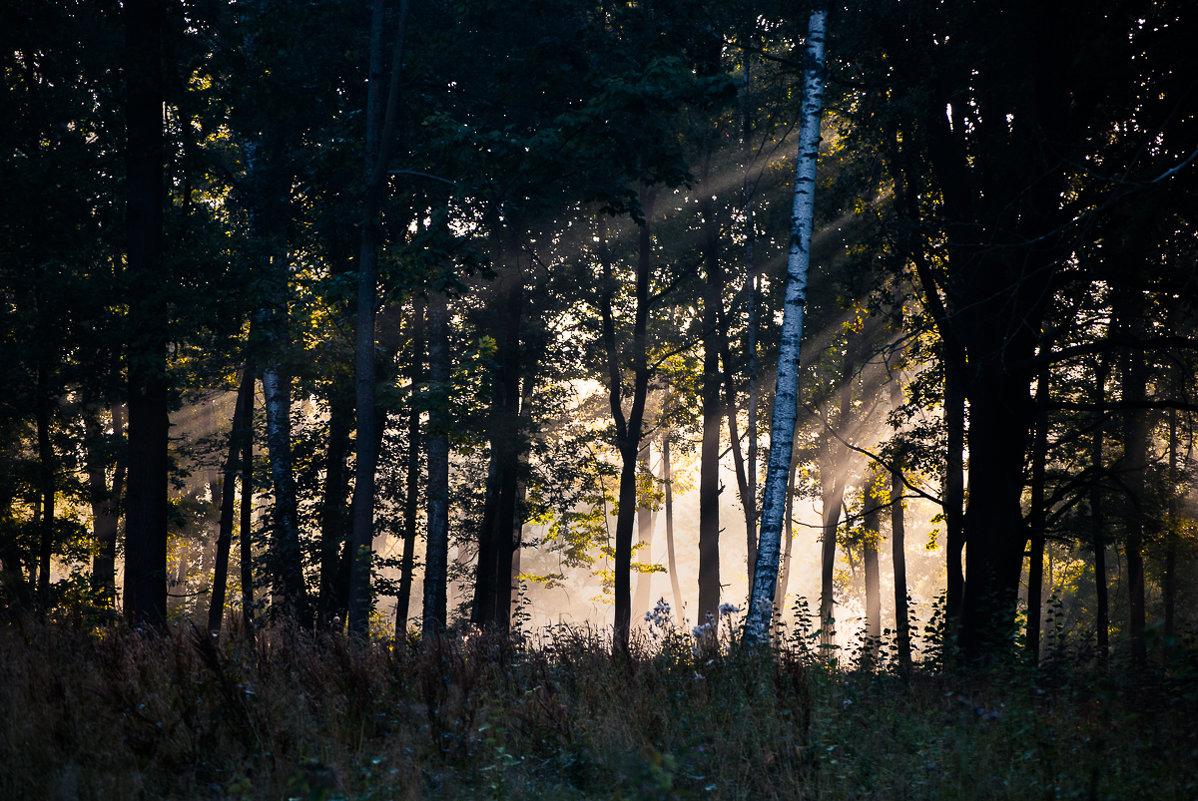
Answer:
x=765 y=572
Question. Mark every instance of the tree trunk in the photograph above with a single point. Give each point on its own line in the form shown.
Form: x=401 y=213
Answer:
x=749 y=494
x=286 y=566
x=765 y=573
x=334 y=525
x=628 y=428
x=872 y=534
x=1172 y=536
x=902 y=620
x=746 y=487
x=1133 y=472
x=380 y=125
x=668 y=478
x=149 y=423
x=954 y=493
x=709 y=464
x=833 y=476
x=517 y=533
x=46 y=487
x=644 y=535
x=1102 y=622
x=1037 y=519
x=492 y=600
x=241 y=431
x=437 y=553
x=1000 y=418
x=105 y=505
x=412 y=478
x=245 y=526
x=784 y=570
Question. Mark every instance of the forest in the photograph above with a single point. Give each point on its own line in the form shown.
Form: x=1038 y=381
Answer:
x=610 y=399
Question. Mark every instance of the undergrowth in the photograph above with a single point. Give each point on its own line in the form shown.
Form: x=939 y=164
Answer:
x=113 y=714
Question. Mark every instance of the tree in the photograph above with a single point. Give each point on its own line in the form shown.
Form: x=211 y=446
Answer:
x=241 y=434
x=765 y=573
x=149 y=424
x=628 y=426
x=380 y=128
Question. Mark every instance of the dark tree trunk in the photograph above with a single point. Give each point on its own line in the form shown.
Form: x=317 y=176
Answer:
x=286 y=567
x=872 y=533
x=1102 y=622
x=1169 y=576
x=749 y=491
x=105 y=504
x=954 y=493
x=492 y=601
x=517 y=534
x=437 y=556
x=1133 y=471
x=833 y=474
x=149 y=424
x=46 y=487
x=380 y=125
x=334 y=523
x=1036 y=521
x=745 y=484
x=628 y=428
x=902 y=620
x=709 y=465
x=241 y=431
x=412 y=477
x=245 y=525
x=1000 y=418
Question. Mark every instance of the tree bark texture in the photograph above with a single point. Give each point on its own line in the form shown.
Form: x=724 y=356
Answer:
x=765 y=573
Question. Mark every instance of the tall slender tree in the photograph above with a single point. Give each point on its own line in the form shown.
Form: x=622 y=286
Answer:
x=765 y=573
x=149 y=423
x=380 y=128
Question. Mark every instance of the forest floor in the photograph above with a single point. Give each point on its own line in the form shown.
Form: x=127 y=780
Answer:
x=111 y=714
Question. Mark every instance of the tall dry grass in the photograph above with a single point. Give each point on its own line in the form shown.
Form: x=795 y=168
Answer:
x=113 y=714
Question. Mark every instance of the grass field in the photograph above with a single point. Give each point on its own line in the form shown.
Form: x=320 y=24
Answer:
x=111 y=714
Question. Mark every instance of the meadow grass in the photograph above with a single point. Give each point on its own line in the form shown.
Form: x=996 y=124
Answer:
x=113 y=714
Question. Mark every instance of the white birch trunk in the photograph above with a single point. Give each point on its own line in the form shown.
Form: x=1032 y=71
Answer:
x=765 y=574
